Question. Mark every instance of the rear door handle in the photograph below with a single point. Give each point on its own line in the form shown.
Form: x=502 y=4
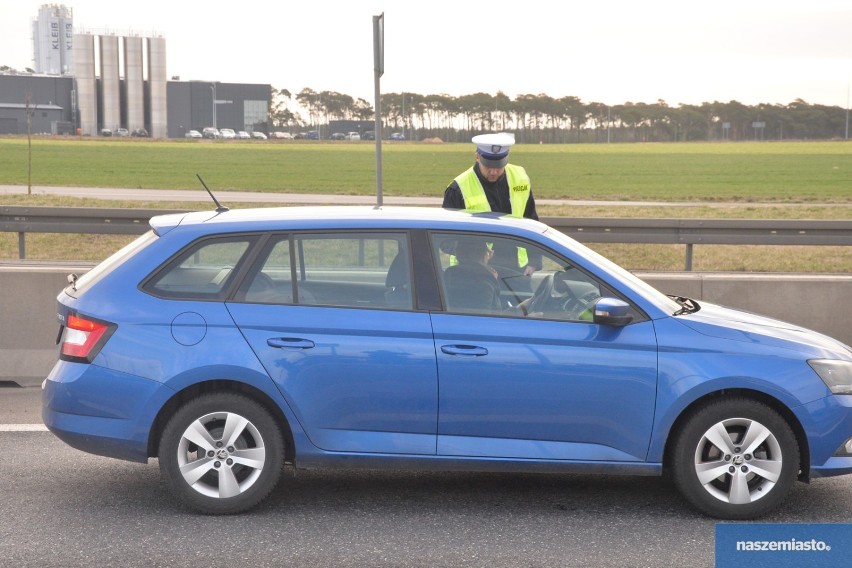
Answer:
x=464 y=350
x=290 y=343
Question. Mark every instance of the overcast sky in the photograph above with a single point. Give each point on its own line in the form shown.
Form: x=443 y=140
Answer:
x=616 y=51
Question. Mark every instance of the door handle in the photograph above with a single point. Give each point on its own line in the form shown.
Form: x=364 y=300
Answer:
x=290 y=343
x=464 y=350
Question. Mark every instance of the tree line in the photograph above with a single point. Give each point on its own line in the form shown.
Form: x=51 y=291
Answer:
x=541 y=118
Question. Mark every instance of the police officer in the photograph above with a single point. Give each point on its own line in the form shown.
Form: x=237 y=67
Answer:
x=493 y=184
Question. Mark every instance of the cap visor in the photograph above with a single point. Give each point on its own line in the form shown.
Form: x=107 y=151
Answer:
x=498 y=163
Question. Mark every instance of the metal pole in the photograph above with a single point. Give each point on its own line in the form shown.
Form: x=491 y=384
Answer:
x=213 y=94
x=378 y=71
x=22 y=246
x=29 y=147
x=378 y=129
x=689 y=257
x=608 y=123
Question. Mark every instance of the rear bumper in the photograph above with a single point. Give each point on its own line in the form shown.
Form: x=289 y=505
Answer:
x=100 y=411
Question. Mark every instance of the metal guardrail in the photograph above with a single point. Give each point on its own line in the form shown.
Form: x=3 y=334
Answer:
x=688 y=232
x=81 y=220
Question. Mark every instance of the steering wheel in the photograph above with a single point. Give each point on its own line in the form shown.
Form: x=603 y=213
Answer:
x=553 y=300
x=513 y=280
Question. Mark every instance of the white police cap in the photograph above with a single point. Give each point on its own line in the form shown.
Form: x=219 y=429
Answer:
x=493 y=148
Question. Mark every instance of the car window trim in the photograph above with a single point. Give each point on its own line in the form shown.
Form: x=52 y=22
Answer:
x=235 y=277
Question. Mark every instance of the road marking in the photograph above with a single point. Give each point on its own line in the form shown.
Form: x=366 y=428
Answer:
x=23 y=428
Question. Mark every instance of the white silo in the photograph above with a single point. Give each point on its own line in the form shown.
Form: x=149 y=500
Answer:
x=134 y=83
x=85 y=83
x=53 y=40
x=110 y=81
x=157 y=86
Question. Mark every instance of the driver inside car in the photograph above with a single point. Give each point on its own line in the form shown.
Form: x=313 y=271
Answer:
x=471 y=283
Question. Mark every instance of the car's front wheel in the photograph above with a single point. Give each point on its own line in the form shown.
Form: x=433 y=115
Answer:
x=221 y=453
x=735 y=459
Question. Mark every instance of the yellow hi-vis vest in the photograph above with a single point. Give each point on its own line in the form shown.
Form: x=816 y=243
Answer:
x=474 y=194
x=519 y=193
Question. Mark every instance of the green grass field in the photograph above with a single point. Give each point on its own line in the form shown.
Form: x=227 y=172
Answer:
x=768 y=180
x=800 y=172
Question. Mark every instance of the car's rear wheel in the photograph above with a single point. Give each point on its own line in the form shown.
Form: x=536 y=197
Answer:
x=735 y=459
x=221 y=453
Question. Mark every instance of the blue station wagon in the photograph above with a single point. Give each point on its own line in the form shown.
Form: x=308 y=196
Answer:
x=229 y=344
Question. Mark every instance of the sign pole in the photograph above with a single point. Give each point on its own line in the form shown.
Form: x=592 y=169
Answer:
x=378 y=71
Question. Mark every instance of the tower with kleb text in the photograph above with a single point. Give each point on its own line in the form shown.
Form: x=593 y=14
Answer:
x=53 y=40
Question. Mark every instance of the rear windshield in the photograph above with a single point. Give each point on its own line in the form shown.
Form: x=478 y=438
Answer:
x=114 y=260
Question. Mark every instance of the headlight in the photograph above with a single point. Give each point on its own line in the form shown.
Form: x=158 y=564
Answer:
x=837 y=375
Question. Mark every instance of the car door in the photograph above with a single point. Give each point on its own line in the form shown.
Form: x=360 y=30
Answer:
x=547 y=383
x=357 y=368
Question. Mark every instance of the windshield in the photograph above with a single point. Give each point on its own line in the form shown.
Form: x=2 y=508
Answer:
x=664 y=302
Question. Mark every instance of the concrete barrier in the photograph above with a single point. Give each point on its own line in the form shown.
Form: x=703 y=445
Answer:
x=28 y=313
x=820 y=302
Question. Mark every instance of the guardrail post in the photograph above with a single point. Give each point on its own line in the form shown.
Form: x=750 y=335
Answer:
x=22 y=245
x=688 y=257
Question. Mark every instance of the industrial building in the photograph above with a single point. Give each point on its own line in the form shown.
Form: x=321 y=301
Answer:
x=93 y=83
x=194 y=105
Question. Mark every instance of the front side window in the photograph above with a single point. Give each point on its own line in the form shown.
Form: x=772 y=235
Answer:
x=481 y=274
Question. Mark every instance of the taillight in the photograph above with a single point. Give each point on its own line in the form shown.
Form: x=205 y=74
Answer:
x=83 y=338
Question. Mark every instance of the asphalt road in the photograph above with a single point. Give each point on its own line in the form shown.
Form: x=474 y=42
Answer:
x=60 y=507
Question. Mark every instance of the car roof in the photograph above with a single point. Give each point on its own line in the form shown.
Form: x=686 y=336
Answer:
x=331 y=217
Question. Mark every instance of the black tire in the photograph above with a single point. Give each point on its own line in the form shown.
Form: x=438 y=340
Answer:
x=754 y=475
x=219 y=477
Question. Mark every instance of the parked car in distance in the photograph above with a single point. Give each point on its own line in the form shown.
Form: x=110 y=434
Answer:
x=227 y=133
x=258 y=135
x=337 y=136
x=227 y=343
x=141 y=133
x=193 y=134
x=312 y=135
x=211 y=132
x=397 y=136
x=122 y=132
x=369 y=135
x=278 y=135
x=106 y=132
x=243 y=135
x=353 y=136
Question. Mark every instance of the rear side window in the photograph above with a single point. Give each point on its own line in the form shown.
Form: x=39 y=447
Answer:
x=360 y=270
x=203 y=271
x=352 y=270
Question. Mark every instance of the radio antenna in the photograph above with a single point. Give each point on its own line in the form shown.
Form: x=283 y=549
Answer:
x=219 y=207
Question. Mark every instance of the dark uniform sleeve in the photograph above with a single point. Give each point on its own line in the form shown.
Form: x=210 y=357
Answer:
x=453 y=197
x=529 y=211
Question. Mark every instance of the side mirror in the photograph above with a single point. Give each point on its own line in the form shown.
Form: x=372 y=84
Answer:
x=611 y=311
